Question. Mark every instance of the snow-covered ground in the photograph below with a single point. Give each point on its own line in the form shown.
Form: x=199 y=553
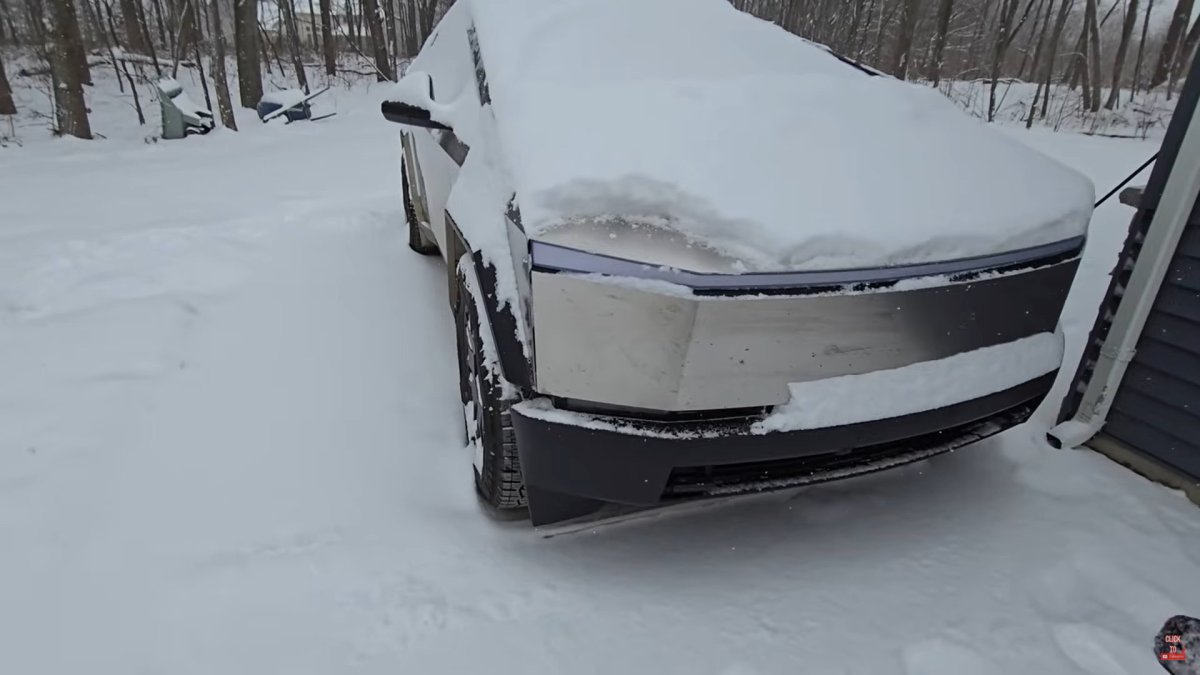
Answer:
x=230 y=442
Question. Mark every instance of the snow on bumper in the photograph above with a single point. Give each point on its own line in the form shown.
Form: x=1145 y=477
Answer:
x=928 y=385
x=574 y=463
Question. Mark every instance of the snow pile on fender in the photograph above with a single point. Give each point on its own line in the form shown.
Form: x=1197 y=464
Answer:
x=743 y=136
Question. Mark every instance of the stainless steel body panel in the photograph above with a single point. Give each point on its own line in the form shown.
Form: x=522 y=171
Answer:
x=630 y=345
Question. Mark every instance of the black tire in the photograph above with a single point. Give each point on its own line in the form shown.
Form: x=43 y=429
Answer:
x=417 y=239
x=498 y=479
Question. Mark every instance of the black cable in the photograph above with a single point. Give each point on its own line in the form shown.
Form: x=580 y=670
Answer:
x=1126 y=181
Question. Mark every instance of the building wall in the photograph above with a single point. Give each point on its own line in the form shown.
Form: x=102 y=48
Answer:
x=1157 y=408
x=1155 y=413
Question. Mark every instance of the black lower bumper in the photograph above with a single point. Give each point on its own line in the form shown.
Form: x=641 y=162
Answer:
x=572 y=470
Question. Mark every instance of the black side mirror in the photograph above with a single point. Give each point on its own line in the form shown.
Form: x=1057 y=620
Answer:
x=411 y=101
x=403 y=113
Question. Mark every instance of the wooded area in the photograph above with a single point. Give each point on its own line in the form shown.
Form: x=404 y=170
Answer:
x=1085 y=45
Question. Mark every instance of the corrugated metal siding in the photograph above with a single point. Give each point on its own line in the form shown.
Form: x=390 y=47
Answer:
x=1157 y=409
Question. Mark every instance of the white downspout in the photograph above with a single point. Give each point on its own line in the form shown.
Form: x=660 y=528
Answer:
x=1166 y=228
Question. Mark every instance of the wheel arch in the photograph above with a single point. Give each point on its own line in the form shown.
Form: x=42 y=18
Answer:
x=500 y=318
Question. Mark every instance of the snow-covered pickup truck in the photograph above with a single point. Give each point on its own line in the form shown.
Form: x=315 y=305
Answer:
x=691 y=254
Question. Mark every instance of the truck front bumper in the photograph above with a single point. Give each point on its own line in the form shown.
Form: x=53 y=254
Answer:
x=574 y=463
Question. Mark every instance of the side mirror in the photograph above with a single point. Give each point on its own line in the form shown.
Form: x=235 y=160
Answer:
x=410 y=102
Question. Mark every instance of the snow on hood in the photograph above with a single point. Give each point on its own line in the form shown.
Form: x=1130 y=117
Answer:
x=745 y=137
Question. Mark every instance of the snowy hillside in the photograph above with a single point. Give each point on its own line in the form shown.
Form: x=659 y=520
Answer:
x=231 y=442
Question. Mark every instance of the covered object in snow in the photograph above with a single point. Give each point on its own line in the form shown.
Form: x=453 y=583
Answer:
x=691 y=254
x=181 y=116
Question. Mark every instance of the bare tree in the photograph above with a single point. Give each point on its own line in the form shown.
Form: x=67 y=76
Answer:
x=135 y=40
x=245 y=23
x=186 y=34
x=78 y=54
x=159 y=24
x=312 y=24
x=288 y=16
x=1039 y=54
x=1060 y=24
x=327 y=43
x=1091 y=19
x=7 y=15
x=352 y=24
x=1187 y=53
x=374 y=20
x=1166 y=56
x=123 y=68
x=1030 y=48
x=389 y=22
x=70 y=107
x=1141 y=53
x=1007 y=31
x=910 y=11
x=1040 y=45
x=1114 y=93
x=944 y=12
x=7 y=105
x=221 y=81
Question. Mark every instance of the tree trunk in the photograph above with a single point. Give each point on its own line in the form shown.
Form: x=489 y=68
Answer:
x=1092 y=18
x=268 y=47
x=159 y=24
x=1141 y=53
x=352 y=25
x=145 y=28
x=78 y=54
x=910 y=11
x=96 y=16
x=1039 y=51
x=1060 y=24
x=70 y=107
x=1005 y=34
x=1039 y=54
x=411 y=28
x=288 y=16
x=224 y=104
x=7 y=105
x=885 y=18
x=7 y=15
x=1081 y=66
x=856 y=17
x=312 y=26
x=187 y=34
x=383 y=63
x=1114 y=94
x=327 y=40
x=1186 y=54
x=389 y=22
x=428 y=12
x=200 y=70
x=1030 y=44
x=249 y=69
x=945 y=11
x=137 y=101
x=1166 y=56
x=134 y=39
x=860 y=40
